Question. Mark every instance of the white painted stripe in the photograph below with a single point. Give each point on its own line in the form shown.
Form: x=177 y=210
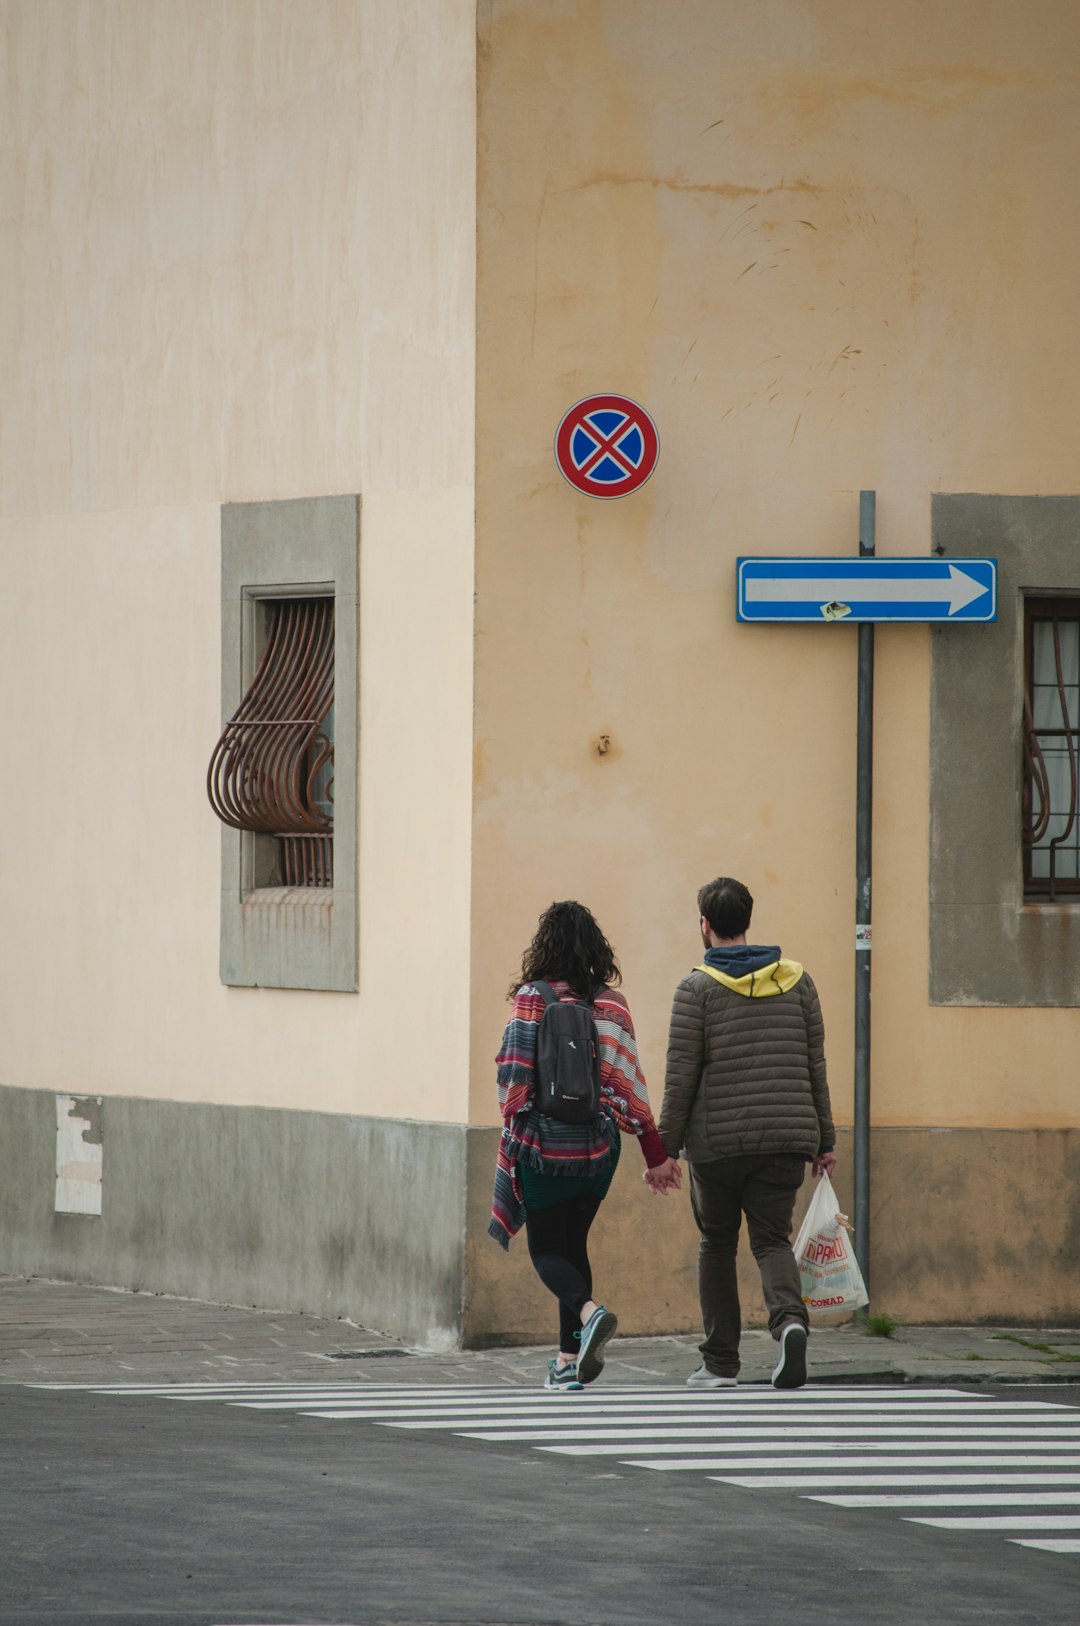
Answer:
x=570 y=1403
x=451 y=1416
x=1063 y=1544
x=667 y=1400
x=894 y=1481
x=575 y=1409
x=603 y=1401
x=809 y=1464
x=855 y=1449
x=958 y=1437
x=973 y=1499
x=1004 y=1521
x=749 y=1393
x=593 y=1399
x=421 y=1400
x=532 y=1399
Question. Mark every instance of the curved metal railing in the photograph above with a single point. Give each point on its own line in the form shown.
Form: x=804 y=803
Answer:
x=272 y=769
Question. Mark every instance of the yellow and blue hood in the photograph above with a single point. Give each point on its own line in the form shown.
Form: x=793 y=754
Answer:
x=753 y=971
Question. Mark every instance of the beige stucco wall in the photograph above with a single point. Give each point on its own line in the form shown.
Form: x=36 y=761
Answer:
x=829 y=247
x=237 y=244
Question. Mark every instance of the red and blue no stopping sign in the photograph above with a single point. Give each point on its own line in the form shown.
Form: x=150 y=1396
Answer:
x=607 y=446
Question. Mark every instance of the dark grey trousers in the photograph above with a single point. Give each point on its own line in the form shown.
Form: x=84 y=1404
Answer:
x=721 y=1192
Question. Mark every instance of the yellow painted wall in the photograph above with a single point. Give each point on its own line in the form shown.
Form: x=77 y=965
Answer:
x=237 y=243
x=829 y=246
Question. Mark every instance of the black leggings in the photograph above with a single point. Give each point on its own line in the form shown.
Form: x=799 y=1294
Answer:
x=558 y=1247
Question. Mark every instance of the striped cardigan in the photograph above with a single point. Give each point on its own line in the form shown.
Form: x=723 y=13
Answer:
x=548 y=1144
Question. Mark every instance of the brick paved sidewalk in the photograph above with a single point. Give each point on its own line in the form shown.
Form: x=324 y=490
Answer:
x=65 y=1333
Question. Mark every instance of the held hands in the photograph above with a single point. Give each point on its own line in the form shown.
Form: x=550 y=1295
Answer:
x=824 y=1163
x=664 y=1177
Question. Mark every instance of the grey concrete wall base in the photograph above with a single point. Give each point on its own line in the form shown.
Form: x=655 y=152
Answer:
x=987 y=947
x=334 y=1215
x=385 y=1222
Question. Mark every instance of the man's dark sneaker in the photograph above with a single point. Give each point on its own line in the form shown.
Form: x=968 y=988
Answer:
x=790 y=1370
x=594 y=1335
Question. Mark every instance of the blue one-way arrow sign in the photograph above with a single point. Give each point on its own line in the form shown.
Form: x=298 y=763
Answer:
x=867 y=589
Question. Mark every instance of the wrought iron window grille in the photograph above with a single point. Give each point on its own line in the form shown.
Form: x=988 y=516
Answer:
x=1051 y=734
x=272 y=771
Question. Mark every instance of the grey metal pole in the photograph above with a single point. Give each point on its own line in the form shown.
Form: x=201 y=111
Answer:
x=864 y=808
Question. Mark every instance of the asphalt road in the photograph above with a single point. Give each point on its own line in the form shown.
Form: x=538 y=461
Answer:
x=147 y=1510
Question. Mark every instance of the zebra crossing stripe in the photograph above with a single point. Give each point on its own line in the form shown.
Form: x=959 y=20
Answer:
x=722 y=1432
x=851 y=1448
x=944 y=1499
x=624 y=1405
x=1060 y=1544
x=578 y=1400
x=808 y=1465
x=571 y=1415
x=897 y=1482
x=1005 y=1521
x=748 y=1394
x=598 y=1426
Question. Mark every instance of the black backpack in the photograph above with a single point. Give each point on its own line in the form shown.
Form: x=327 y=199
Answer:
x=567 y=1060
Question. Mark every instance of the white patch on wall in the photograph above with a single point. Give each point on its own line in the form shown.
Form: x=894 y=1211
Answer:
x=78 y=1154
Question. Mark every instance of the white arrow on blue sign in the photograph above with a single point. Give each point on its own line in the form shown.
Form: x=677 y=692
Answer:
x=867 y=589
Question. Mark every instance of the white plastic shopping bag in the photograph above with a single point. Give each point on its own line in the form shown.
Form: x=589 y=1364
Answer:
x=832 y=1283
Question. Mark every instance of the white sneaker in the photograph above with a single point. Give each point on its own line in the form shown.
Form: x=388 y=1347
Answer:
x=702 y=1378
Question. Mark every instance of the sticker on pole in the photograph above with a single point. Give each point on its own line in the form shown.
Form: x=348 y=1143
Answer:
x=607 y=446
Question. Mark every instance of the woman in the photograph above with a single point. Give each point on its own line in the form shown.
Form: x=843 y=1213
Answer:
x=552 y=1176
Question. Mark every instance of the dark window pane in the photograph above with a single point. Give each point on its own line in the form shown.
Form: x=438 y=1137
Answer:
x=1051 y=798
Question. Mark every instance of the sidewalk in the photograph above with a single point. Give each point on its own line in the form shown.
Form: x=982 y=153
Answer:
x=57 y=1332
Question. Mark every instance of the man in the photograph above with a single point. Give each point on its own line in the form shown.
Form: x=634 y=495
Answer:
x=746 y=1101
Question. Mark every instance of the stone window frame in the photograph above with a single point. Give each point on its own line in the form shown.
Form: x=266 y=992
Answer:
x=292 y=937
x=988 y=945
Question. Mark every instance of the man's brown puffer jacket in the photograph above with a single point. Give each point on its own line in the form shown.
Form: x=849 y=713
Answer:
x=746 y=1070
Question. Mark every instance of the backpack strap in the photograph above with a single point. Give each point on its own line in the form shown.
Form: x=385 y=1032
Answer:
x=550 y=997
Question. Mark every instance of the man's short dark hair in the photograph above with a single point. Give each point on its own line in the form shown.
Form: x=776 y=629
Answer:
x=727 y=906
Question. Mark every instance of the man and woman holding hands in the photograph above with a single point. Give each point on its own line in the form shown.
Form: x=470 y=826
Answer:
x=746 y=1103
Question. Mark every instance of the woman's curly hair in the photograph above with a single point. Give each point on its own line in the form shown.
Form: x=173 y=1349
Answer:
x=569 y=947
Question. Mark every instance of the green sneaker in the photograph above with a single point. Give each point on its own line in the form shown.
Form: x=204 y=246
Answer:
x=594 y=1335
x=562 y=1377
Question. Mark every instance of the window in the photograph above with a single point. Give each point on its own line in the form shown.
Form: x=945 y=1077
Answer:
x=283 y=777
x=1051 y=805
x=271 y=772
x=1001 y=783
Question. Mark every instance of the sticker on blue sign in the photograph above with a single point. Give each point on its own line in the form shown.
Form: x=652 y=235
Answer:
x=828 y=591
